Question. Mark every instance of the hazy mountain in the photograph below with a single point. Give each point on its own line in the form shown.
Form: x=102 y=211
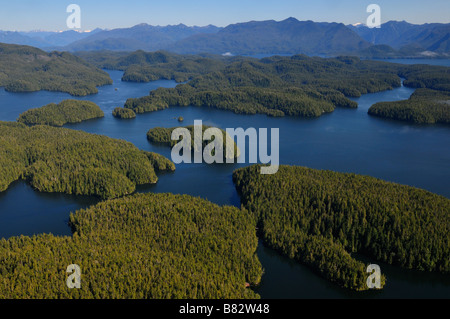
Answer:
x=141 y=36
x=68 y=37
x=37 y=34
x=44 y=39
x=287 y=36
x=13 y=37
x=290 y=36
x=406 y=37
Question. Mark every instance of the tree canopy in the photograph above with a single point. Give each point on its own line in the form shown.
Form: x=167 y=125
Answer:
x=27 y=69
x=68 y=111
x=123 y=113
x=321 y=218
x=163 y=135
x=276 y=86
x=159 y=246
x=425 y=106
x=73 y=162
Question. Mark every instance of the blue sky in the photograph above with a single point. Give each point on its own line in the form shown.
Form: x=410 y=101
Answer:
x=28 y=15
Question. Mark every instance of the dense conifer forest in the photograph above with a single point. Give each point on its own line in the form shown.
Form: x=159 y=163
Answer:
x=159 y=162
x=73 y=162
x=141 y=246
x=425 y=106
x=163 y=135
x=321 y=218
x=27 y=69
x=123 y=113
x=276 y=86
x=177 y=246
x=143 y=66
x=68 y=111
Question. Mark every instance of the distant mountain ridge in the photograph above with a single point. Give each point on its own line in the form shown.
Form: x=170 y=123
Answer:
x=44 y=39
x=408 y=38
x=14 y=37
x=140 y=37
x=289 y=36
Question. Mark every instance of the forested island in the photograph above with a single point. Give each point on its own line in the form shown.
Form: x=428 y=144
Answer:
x=163 y=135
x=144 y=246
x=425 y=106
x=27 y=69
x=68 y=111
x=322 y=218
x=123 y=113
x=61 y=160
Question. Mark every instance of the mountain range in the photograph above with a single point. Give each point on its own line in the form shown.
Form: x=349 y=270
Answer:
x=44 y=39
x=265 y=37
x=290 y=36
x=407 y=37
x=140 y=37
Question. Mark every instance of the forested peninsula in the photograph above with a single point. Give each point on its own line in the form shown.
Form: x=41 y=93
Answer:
x=68 y=111
x=425 y=106
x=321 y=218
x=27 y=69
x=61 y=160
x=144 y=246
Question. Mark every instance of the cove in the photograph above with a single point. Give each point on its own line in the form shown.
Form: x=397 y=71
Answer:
x=347 y=140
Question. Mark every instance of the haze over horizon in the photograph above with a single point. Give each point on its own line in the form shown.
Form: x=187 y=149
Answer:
x=51 y=15
x=168 y=25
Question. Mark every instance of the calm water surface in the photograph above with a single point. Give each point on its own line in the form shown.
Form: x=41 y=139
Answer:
x=345 y=140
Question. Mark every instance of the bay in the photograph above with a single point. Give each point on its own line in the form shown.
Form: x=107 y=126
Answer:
x=347 y=140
